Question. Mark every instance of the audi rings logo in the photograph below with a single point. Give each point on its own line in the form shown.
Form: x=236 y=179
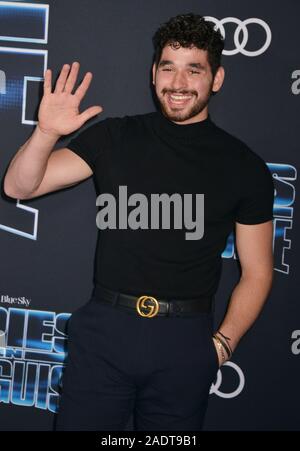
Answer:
x=215 y=387
x=242 y=25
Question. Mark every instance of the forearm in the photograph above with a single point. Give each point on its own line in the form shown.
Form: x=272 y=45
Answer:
x=246 y=302
x=28 y=166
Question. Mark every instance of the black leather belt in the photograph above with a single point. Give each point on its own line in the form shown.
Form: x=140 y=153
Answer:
x=149 y=306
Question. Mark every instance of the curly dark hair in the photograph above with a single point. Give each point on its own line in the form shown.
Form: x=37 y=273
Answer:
x=187 y=30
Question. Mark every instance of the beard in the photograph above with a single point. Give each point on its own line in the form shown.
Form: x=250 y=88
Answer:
x=179 y=114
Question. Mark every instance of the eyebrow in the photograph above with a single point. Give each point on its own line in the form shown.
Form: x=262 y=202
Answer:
x=167 y=62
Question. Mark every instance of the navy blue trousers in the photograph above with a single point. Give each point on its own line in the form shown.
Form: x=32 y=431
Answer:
x=159 y=370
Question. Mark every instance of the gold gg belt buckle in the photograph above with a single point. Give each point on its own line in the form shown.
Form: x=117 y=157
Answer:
x=153 y=306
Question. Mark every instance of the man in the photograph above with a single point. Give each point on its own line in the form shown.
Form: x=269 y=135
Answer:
x=143 y=343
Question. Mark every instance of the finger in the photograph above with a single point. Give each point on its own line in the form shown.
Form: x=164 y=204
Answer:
x=84 y=85
x=60 y=84
x=71 y=80
x=47 y=82
x=89 y=113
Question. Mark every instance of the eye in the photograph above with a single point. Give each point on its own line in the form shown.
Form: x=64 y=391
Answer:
x=194 y=72
x=167 y=70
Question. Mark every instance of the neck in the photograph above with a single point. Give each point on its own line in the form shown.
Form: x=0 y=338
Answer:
x=190 y=130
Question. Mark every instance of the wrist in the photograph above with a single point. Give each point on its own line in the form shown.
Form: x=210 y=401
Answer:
x=222 y=356
x=223 y=346
x=230 y=339
x=45 y=134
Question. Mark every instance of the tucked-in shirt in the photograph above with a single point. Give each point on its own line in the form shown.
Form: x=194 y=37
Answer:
x=150 y=154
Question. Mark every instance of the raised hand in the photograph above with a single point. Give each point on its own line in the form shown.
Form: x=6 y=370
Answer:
x=59 y=110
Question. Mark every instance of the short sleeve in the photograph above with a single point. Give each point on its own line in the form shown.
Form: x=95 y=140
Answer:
x=257 y=192
x=91 y=142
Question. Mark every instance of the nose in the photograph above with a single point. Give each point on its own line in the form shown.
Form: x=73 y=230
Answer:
x=179 y=81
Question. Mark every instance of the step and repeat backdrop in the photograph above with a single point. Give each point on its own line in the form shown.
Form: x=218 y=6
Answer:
x=48 y=243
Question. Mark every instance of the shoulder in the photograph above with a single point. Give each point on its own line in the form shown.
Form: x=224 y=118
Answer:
x=238 y=149
x=126 y=120
x=128 y=123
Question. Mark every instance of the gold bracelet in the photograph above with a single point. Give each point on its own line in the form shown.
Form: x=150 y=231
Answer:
x=220 y=346
x=226 y=339
x=225 y=346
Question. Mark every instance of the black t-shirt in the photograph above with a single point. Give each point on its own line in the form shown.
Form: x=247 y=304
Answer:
x=149 y=154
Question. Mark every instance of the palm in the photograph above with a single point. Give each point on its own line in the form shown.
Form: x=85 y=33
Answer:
x=59 y=110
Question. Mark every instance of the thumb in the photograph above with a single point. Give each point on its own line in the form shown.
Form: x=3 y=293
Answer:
x=89 y=113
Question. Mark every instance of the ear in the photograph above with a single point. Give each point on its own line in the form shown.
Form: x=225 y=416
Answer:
x=153 y=73
x=219 y=79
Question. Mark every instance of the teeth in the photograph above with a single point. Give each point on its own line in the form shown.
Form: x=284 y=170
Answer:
x=179 y=97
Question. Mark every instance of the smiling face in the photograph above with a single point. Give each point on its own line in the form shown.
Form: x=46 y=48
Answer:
x=184 y=82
